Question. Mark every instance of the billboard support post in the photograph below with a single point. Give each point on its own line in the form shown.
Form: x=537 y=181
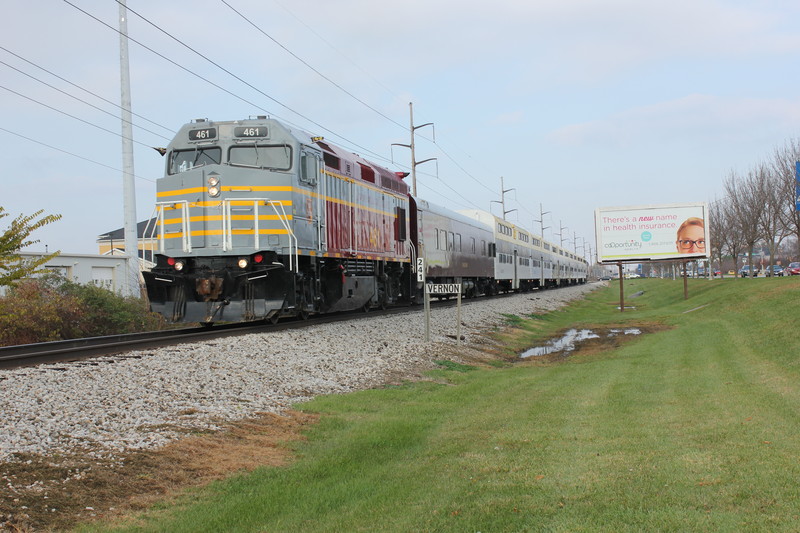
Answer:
x=685 y=281
x=621 y=290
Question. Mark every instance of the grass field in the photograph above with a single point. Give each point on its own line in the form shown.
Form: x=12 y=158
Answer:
x=693 y=426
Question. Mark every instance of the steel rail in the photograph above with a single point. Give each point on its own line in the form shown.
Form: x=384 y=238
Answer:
x=79 y=349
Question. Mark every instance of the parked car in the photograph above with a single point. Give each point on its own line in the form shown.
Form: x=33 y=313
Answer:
x=744 y=272
x=776 y=270
x=793 y=269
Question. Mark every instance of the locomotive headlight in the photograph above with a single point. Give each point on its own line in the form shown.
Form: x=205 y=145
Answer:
x=213 y=185
x=178 y=265
x=242 y=263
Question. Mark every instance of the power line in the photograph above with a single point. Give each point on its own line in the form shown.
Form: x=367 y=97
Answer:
x=451 y=158
x=70 y=116
x=82 y=88
x=303 y=61
x=321 y=38
x=238 y=78
x=456 y=163
x=78 y=99
x=68 y=153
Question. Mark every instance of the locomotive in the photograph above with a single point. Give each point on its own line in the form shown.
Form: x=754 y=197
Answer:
x=258 y=220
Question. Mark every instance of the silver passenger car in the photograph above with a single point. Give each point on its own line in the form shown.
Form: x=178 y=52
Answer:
x=453 y=246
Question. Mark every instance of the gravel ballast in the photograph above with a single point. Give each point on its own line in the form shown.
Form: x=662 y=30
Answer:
x=144 y=399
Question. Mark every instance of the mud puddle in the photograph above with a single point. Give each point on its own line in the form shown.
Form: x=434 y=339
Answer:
x=573 y=339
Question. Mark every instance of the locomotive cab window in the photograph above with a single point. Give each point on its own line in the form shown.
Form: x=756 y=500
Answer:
x=183 y=160
x=309 y=169
x=261 y=156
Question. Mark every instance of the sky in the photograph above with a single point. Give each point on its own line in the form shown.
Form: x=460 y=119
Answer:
x=573 y=104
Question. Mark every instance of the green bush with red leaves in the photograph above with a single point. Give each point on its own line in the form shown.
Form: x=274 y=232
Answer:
x=52 y=308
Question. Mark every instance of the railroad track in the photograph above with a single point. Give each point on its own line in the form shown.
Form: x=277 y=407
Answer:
x=80 y=349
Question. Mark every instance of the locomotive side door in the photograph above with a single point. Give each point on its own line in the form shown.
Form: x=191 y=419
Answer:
x=310 y=168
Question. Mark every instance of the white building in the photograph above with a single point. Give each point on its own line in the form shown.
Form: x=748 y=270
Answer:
x=104 y=270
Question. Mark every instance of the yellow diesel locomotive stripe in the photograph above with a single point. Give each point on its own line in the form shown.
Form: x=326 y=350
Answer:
x=286 y=203
x=217 y=203
x=218 y=218
x=242 y=188
x=200 y=233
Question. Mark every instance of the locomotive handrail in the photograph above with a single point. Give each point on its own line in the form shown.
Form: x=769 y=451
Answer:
x=322 y=221
x=185 y=233
x=227 y=226
x=149 y=235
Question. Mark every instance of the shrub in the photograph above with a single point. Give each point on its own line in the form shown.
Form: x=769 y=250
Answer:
x=107 y=313
x=52 y=308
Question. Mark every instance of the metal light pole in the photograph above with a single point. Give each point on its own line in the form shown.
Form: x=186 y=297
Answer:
x=561 y=234
x=541 y=219
x=412 y=146
x=128 y=185
x=502 y=201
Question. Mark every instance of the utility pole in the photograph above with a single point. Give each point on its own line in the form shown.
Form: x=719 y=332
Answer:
x=128 y=184
x=541 y=220
x=502 y=201
x=414 y=162
x=561 y=234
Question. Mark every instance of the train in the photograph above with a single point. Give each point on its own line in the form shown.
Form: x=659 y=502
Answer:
x=258 y=220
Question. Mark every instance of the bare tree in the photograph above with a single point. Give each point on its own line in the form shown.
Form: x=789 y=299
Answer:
x=773 y=217
x=744 y=201
x=783 y=165
x=717 y=233
x=729 y=231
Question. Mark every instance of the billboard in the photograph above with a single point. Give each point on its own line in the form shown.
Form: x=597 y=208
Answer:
x=652 y=232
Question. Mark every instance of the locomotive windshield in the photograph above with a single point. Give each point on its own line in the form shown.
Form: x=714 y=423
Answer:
x=261 y=156
x=183 y=160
